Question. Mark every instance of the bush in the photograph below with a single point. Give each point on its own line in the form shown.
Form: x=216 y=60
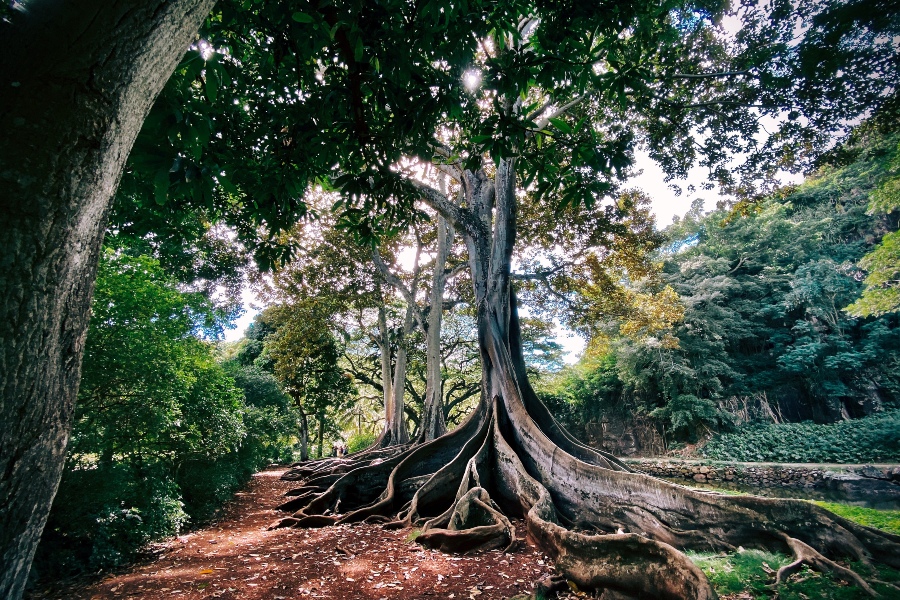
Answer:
x=360 y=441
x=686 y=415
x=163 y=435
x=103 y=515
x=870 y=439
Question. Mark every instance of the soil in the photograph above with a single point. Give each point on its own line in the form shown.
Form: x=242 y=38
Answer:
x=237 y=557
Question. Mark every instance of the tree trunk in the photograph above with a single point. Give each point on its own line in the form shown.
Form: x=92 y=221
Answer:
x=399 y=431
x=304 y=431
x=77 y=81
x=384 y=345
x=321 y=435
x=605 y=526
x=433 y=424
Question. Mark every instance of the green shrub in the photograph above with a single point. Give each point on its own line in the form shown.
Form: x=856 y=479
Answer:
x=360 y=441
x=686 y=415
x=103 y=515
x=870 y=439
x=163 y=435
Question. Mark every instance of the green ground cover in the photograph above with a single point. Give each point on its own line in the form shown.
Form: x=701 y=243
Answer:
x=751 y=573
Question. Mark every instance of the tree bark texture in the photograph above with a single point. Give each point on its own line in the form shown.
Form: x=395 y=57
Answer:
x=76 y=82
x=399 y=432
x=605 y=526
x=433 y=423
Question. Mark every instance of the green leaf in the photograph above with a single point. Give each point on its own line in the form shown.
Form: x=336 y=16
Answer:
x=561 y=125
x=161 y=186
x=358 y=51
x=212 y=84
x=301 y=17
x=227 y=185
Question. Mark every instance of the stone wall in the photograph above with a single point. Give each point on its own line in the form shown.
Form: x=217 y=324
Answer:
x=755 y=474
x=874 y=484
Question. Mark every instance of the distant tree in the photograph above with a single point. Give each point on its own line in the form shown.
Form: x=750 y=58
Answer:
x=305 y=355
x=150 y=388
x=882 y=292
x=764 y=332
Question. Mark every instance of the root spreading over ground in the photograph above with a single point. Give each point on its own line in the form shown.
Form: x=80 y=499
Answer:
x=605 y=526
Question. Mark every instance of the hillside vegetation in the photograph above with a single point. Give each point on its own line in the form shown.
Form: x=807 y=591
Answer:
x=766 y=336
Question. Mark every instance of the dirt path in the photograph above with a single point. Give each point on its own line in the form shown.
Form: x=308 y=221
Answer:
x=237 y=558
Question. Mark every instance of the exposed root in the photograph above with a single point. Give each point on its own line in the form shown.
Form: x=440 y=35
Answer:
x=376 y=487
x=607 y=528
x=476 y=524
x=627 y=563
x=805 y=555
x=308 y=470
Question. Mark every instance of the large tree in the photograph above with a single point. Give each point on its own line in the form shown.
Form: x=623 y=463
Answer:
x=564 y=92
x=77 y=81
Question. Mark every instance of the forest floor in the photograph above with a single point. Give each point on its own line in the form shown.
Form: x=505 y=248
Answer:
x=237 y=557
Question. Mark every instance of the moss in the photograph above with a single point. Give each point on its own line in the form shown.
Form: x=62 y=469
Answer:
x=886 y=520
x=751 y=574
x=413 y=535
x=741 y=572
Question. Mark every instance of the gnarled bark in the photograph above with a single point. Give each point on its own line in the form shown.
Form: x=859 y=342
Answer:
x=77 y=80
x=605 y=526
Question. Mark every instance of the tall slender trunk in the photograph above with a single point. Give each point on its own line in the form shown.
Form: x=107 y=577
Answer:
x=387 y=387
x=78 y=80
x=399 y=431
x=304 y=431
x=321 y=435
x=433 y=423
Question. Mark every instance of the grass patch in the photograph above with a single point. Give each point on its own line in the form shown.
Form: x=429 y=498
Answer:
x=747 y=571
x=413 y=535
x=753 y=572
x=886 y=520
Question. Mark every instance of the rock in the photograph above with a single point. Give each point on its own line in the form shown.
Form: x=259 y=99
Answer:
x=700 y=477
x=704 y=469
x=874 y=473
x=853 y=487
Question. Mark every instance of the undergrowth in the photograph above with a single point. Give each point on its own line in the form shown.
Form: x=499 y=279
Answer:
x=886 y=520
x=870 y=439
x=753 y=572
